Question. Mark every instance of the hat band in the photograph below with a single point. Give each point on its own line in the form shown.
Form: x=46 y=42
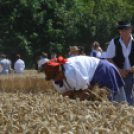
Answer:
x=125 y=25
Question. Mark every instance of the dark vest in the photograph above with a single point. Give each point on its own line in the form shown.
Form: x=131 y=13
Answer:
x=119 y=58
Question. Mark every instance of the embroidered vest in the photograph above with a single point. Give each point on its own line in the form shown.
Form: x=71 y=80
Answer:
x=119 y=58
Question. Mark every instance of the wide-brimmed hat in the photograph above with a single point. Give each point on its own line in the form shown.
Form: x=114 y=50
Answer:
x=73 y=48
x=125 y=24
x=3 y=55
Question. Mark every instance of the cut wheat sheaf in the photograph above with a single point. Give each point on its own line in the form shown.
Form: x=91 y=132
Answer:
x=30 y=105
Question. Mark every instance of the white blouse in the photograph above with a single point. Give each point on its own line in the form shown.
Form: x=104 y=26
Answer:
x=79 y=71
x=63 y=89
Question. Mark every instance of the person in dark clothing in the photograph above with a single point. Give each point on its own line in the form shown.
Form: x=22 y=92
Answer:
x=120 y=52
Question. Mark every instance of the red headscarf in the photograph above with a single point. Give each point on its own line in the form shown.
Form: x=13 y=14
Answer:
x=51 y=67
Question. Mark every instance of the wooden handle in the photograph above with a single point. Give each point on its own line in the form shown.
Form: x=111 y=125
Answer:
x=130 y=71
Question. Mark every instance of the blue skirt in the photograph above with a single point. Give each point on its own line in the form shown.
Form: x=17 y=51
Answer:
x=106 y=75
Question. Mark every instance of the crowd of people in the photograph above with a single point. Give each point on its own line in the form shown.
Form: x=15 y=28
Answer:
x=6 y=65
x=112 y=68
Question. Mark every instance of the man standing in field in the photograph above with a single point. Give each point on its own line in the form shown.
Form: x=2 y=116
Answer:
x=53 y=55
x=5 y=65
x=120 y=52
x=44 y=59
x=19 y=65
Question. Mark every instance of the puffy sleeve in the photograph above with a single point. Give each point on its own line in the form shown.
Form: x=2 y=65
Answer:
x=77 y=77
x=62 y=89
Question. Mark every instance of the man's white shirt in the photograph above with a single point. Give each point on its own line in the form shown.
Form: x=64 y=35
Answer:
x=104 y=54
x=126 y=51
x=19 y=66
x=43 y=60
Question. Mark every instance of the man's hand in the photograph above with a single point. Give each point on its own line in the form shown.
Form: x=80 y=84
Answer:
x=123 y=73
x=132 y=67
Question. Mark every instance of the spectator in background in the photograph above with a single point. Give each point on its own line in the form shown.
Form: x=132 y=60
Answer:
x=96 y=50
x=104 y=54
x=74 y=51
x=38 y=59
x=10 y=71
x=43 y=60
x=100 y=50
x=53 y=55
x=5 y=65
x=19 y=65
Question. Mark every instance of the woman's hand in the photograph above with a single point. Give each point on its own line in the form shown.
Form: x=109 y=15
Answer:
x=84 y=94
x=68 y=93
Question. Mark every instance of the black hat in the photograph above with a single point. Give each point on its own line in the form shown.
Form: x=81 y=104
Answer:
x=3 y=55
x=125 y=24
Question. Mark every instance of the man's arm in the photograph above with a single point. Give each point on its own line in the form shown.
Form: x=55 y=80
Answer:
x=111 y=54
x=122 y=72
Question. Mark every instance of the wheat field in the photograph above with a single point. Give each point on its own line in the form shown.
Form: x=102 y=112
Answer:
x=30 y=105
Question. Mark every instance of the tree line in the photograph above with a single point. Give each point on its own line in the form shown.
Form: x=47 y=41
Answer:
x=30 y=27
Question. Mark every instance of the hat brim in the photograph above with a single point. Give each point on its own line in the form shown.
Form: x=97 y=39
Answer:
x=74 y=50
x=124 y=27
x=3 y=56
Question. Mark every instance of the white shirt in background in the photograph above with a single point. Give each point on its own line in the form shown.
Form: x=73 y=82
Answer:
x=5 y=66
x=104 y=54
x=43 y=60
x=125 y=51
x=97 y=54
x=19 y=66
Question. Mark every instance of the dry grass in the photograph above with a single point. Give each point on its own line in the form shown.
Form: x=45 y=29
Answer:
x=27 y=108
x=30 y=81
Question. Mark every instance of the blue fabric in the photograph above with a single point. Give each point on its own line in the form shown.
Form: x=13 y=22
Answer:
x=94 y=54
x=129 y=81
x=120 y=96
x=106 y=75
